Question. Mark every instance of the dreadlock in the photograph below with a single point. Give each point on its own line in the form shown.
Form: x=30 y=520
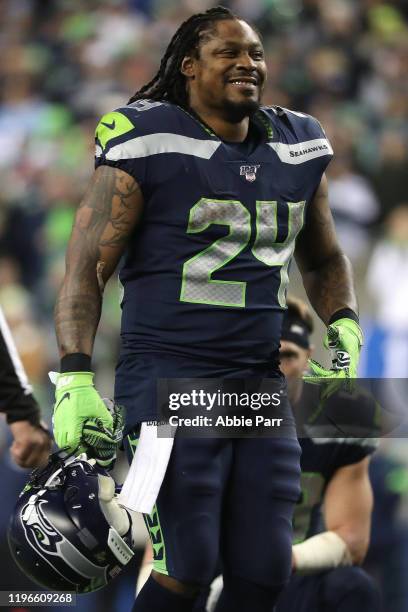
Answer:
x=169 y=83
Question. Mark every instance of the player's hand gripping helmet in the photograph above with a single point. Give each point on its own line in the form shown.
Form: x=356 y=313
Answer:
x=68 y=532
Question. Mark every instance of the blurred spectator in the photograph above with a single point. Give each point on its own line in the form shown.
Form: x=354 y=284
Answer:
x=389 y=179
x=354 y=205
x=387 y=282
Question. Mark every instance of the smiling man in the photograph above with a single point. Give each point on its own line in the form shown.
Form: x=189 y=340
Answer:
x=205 y=192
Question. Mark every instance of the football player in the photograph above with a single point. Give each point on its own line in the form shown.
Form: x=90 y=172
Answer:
x=206 y=192
x=31 y=440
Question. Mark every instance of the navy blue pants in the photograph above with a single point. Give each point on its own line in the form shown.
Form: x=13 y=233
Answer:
x=230 y=500
x=223 y=500
x=346 y=589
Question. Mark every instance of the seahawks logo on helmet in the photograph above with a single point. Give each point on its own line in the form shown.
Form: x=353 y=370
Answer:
x=39 y=532
x=59 y=534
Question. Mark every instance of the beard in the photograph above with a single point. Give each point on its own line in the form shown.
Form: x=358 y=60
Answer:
x=237 y=111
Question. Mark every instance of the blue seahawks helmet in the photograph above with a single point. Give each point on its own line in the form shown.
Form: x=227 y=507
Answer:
x=67 y=532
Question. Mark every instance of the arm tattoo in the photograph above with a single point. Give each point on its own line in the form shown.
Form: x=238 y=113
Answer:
x=110 y=207
x=103 y=225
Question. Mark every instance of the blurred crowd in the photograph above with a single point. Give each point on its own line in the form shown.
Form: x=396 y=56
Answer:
x=64 y=63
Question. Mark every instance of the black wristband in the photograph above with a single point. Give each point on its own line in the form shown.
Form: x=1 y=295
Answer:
x=344 y=313
x=76 y=362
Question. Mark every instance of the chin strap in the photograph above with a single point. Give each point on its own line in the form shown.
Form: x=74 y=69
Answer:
x=120 y=518
x=115 y=514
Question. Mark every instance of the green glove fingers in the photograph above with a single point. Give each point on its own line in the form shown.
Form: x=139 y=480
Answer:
x=76 y=401
x=98 y=442
x=101 y=443
x=344 y=339
x=318 y=371
x=329 y=380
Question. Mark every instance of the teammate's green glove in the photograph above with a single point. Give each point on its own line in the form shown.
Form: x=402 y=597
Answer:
x=344 y=339
x=81 y=419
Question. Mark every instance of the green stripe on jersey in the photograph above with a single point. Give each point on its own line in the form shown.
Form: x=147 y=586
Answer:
x=157 y=540
x=111 y=126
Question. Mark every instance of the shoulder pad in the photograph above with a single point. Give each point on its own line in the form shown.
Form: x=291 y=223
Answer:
x=308 y=124
x=111 y=126
x=300 y=137
x=137 y=119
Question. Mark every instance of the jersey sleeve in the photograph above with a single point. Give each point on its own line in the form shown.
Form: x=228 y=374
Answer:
x=129 y=137
x=120 y=143
x=309 y=142
x=316 y=142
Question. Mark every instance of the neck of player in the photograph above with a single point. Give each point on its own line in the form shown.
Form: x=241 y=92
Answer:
x=224 y=129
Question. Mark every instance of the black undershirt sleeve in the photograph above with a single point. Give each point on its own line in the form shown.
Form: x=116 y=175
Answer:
x=15 y=400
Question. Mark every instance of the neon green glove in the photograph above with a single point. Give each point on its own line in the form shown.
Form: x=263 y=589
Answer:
x=99 y=442
x=344 y=339
x=76 y=402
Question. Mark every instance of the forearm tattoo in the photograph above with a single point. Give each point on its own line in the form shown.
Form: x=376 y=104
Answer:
x=103 y=224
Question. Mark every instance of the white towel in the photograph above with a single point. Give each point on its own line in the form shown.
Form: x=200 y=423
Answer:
x=147 y=470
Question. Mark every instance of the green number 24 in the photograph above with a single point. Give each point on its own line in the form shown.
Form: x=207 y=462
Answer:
x=198 y=286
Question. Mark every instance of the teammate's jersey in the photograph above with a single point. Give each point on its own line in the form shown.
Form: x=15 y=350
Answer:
x=327 y=445
x=206 y=272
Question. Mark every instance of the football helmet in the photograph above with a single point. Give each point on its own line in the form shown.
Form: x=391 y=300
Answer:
x=68 y=532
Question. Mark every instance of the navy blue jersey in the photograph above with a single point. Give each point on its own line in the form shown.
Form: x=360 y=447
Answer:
x=206 y=271
x=327 y=446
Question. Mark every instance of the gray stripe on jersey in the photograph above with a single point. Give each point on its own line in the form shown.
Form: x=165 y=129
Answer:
x=301 y=152
x=154 y=144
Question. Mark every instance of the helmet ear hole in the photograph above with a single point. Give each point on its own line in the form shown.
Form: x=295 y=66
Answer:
x=70 y=494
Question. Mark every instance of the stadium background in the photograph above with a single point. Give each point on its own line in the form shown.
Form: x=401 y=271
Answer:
x=65 y=63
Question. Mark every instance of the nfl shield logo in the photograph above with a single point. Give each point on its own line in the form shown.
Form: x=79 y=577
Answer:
x=249 y=172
